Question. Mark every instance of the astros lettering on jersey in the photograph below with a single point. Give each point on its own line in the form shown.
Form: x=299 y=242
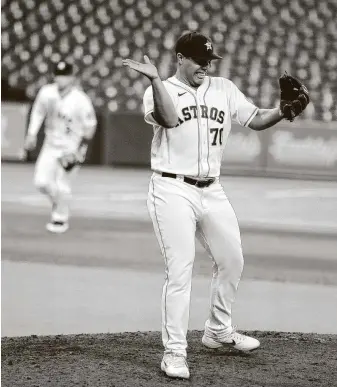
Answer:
x=195 y=146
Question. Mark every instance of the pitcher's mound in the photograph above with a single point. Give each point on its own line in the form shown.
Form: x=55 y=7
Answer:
x=133 y=360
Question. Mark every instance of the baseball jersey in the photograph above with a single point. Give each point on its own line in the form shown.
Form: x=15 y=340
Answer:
x=68 y=117
x=195 y=146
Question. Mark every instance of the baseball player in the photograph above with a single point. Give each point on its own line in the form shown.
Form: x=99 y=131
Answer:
x=70 y=124
x=191 y=115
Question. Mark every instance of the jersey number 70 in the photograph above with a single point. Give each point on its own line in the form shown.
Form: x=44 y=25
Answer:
x=217 y=136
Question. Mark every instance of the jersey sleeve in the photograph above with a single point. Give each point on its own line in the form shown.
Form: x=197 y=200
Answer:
x=148 y=104
x=88 y=117
x=242 y=111
x=39 y=111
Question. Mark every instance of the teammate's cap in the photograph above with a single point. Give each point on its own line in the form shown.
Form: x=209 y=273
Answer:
x=63 y=68
x=195 y=45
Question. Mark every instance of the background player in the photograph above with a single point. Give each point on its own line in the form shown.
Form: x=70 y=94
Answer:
x=191 y=114
x=70 y=124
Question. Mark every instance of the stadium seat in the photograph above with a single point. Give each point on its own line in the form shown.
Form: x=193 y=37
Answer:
x=258 y=41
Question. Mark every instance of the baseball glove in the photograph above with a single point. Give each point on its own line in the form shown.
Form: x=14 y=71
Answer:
x=294 y=97
x=69 y=160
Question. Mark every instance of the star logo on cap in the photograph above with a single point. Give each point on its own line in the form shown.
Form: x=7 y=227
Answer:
x=208 y=46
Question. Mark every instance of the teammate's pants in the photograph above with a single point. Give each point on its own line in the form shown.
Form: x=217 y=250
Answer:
x=179 y=213
x=52 y=180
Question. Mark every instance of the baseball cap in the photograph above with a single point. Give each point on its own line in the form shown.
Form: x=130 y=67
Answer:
x=63 y=68
x=195 y=45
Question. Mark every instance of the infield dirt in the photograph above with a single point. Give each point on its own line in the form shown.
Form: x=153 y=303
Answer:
x=133 y=360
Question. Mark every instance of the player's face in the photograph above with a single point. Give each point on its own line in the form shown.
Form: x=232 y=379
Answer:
x=195 y=70
x=64 y=81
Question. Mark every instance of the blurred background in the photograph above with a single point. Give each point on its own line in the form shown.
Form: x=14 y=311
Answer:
x=282 y=182
x=258 y=40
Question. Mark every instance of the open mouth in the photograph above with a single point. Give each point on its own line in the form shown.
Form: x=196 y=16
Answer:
x=201 y=74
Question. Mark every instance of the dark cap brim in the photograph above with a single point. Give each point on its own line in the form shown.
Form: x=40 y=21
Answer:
x=208 y=56
x=63 y=74
x=215 y=56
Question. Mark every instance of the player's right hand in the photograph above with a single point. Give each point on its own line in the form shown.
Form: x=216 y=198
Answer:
x=30 y=143
x=147 y=68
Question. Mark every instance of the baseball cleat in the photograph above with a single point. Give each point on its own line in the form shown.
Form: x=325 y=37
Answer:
x=57 y=227
x=175 y=366
x=234 y=339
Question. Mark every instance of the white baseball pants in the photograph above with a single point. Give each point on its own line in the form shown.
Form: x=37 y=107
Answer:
x=180 y=212
x=52 y=180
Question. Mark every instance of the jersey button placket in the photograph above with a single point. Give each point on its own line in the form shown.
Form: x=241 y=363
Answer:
x=201 y=132
x=197 y=100
x=203 y=139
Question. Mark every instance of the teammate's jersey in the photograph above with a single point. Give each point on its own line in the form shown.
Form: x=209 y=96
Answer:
x=195 y=146
x=68 y=118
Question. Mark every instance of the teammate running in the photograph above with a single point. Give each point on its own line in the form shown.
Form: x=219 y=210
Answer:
x=69 y=127
x=191 y=115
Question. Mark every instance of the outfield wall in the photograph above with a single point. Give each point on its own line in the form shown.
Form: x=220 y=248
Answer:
x=302 y=149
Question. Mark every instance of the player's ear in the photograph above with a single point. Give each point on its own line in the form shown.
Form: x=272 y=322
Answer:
x=180 y=58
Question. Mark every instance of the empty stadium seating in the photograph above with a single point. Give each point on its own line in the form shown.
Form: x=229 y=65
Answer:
x=258 y=40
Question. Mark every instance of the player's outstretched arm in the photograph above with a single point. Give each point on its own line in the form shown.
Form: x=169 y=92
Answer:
x=294 y=99
x=164 y=111
x=265 y=118
x=89 y=119
x=89 y=122
x=37 y=116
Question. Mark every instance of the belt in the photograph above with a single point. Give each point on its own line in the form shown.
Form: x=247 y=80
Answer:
x=198 y=183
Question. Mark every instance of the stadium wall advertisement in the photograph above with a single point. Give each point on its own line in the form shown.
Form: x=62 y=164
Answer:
x=301 y=149
x=245 y=152
x=307 y=151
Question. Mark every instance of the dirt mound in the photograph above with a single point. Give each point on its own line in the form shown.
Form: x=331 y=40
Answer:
x=133 y=360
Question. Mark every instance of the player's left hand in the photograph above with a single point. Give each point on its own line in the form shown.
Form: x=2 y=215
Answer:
x=148 y=69
x=30 y=143
x=294 y=97
x=69 y=160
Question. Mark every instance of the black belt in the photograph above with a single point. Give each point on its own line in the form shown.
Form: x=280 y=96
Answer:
x=189 y=180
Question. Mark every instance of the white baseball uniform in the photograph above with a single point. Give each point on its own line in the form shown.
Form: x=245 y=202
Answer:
x=68 y=118
x=180 y=211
